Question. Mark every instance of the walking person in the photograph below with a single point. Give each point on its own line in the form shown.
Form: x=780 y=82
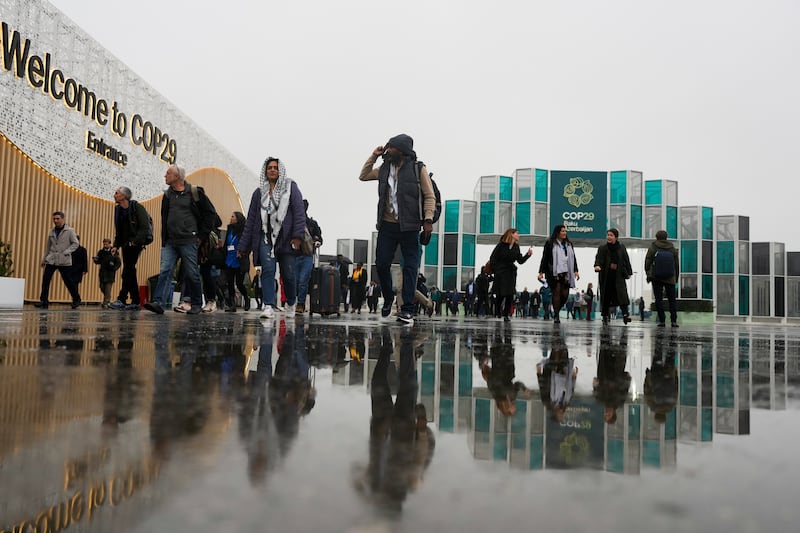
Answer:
x=503 y=257
x=109 y=262
x=275 y=226
x=132 y=231
x=662 y=265
x=482 y=293
x=187 y=218
x=61 y=242
x=589 y=298
x=372 y=296
x=559 y=267
x=536 y=302
x=358 y=288
x=406 y=202
x=613 y=267
x=235 y=267
x=80 y=264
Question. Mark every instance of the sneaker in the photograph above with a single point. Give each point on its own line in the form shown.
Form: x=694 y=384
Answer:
x=267 y=312
x=289 y=310
x=210 y=307
x=75 y=305
x=626 y=319
x=117 y=305
x=41 y=305
x=660 y=324
x=154 y=307
x=674 y=324
x=194 y=310
x=230 y=309
x=300 y=309
x=406 y=318
x=132 y=307
x=183 y=307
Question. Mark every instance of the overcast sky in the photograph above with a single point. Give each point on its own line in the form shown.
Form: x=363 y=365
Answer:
x=704 y=93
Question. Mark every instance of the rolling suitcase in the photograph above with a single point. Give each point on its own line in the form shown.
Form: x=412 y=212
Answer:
x=326 y=290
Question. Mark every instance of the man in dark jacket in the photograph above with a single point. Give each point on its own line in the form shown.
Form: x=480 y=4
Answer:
x=662 y=272
x=406 y=201
x=131 y=228
x=185 y=224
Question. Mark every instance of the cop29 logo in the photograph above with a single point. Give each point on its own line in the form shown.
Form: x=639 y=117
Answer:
x=578 y=192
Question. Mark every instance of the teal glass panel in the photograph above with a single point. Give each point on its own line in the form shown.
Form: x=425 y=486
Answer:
x=619 y=187
x=428 y=385
x=708 y=223
x=688 y=256
x=725 y=262
x=523 y=191
x=725 y=391
x=451 y=209
x=449 y=278
x=688 y=393
x=671 y=427
x=523 y=218
x=506 y=189
x=634 y=421
x=537 y=452
x=652 y=192
x=500 y=451
x=446 y=414
x=483 y=415
x=616 y=455
x=651 y=453
x=432 y=250
x=487 y=217
x=744 y=295
x=636 y=221
x=448 y=353
x=519 y=418
x=672 y=222
x=706 y=424
x=708 y=287
x=464 y=380
x=541 y=185
x=468 y=250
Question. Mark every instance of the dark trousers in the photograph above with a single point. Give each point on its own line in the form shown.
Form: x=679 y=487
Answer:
x=658 y=292
x=130 y=285
x=560 y=290
x=66 y=275
x=236 y=276
x=389 y=238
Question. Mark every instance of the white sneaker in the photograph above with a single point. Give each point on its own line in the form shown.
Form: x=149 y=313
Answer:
x=267 y=312
x=210 y=307
x=289 y=310
x=183 y=307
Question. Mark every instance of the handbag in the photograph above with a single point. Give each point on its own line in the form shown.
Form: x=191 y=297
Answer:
x=307 y=243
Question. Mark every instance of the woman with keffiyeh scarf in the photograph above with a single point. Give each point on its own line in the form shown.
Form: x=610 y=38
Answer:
x=275 y=225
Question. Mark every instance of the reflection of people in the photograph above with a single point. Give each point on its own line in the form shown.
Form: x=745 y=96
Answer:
x=503 y=257
x=661 y=379
x=401 y=444
x=499 y=375
x=560 y=268
x=613 y=267
x=612 y=382
x=557 y=375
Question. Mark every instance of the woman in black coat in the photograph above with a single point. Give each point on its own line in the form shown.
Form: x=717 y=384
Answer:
x=559 y=267
x=503 y=257
x=613 y=267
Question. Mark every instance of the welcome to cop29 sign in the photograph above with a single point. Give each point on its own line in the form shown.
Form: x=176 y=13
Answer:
x=578 y=200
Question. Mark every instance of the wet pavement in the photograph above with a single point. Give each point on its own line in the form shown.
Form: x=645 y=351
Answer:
x=128 y=421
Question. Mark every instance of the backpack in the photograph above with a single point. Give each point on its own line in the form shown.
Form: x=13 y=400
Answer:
x=149 y=237
x=196 y=199
x=437 y=210
x=663 y=265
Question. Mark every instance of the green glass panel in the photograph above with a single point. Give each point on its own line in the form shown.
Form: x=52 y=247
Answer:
x=688 y=256
x=744 y=295
x=725 y=262
x=619 y=187
x=483 y=415
x=506 y=189
x=465 y=380
x=537 y=452
x=672 y=222
x=651 y=453
x=636 y=221
x=432 y=250
x=449 y=277
x=428 y=378
x=446 y=414
x=652 y=192
x=523 y=218
x=671 y=427
x=708 y=287
x=541 y=185
x=688 y=393
x=487 y=217
x=708 y=223
x=706 y=424
x=451 y=209
x=616 y=455
x=468 y=250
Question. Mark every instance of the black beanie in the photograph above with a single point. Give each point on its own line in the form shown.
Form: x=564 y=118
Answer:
x=404 y=143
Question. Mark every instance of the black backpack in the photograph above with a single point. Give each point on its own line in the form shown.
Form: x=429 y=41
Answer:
x=133 y=213
x=663 y=265
x=437 y=211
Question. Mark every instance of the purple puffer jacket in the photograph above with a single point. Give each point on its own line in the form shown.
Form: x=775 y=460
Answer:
x=294 y=225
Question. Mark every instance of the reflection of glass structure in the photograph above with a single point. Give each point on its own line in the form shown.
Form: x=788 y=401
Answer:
x=719 y=264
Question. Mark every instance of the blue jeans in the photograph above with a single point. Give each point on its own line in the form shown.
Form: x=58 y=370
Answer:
x=303 y=265
x=389 y=238
x=268 y=266
x=191 y=273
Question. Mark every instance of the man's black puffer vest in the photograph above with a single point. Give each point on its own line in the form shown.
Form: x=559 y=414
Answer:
x=408 y=195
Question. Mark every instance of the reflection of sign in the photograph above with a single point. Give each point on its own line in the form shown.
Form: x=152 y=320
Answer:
x=578 y=440
x=579 y=202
